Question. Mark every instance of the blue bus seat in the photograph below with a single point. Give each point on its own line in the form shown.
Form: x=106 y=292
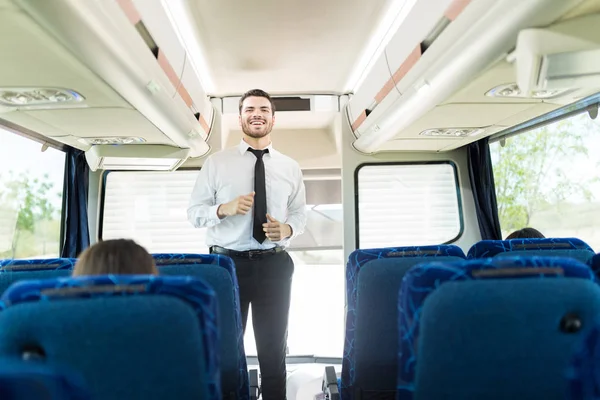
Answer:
x=130 y=336
x=219 y=272
x=594 y=264
x=546 y=247
x=22 y=380
x=485 y=281
x=12 y=271
x=373 y=278
x=583 y=371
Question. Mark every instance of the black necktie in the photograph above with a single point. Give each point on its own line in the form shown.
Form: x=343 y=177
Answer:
x=260 y=196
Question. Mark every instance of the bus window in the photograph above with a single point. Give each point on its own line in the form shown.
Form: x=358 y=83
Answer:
x=151 y=208
x=407 y=205
x=31 y=190
x=547 y=179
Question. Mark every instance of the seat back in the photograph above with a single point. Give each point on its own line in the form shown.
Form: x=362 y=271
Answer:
x=21 y=380
x=495 y=278
x=594 y=264
x=130 y=336
x=373 y=278
x=546 y=247
x=219 y=272
x=12 y=271
x=583 y=371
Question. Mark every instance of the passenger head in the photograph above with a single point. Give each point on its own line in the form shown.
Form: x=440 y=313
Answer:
x=257 y=113
x=526 y=233
x=118 y=256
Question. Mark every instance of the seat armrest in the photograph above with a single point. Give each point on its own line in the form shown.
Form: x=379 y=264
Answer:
x=330 y=384
x=254 y=384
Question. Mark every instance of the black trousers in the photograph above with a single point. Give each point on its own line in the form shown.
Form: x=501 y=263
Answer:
x=266 y=283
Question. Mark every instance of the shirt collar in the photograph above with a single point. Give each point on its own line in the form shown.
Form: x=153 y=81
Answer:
x=243 y=147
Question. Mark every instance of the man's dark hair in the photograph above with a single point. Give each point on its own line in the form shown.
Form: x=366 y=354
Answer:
x=257 y=93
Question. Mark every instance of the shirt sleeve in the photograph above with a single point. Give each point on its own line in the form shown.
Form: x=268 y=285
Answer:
x=297 y=207
x=202 y=209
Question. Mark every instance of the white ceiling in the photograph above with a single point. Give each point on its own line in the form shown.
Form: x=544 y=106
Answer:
x=284 y=46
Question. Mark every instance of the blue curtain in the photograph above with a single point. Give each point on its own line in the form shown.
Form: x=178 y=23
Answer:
x=76 y=231
x=481 y=176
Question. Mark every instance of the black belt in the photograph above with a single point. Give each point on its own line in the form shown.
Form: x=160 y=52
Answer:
x=249 y=254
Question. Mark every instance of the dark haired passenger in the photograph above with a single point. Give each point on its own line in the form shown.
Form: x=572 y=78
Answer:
x=115 y=257
x=526 y=233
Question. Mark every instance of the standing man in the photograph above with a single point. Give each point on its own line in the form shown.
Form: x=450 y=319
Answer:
x=252 y=199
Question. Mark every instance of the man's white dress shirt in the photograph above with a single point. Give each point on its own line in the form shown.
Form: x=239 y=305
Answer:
x=228 y=174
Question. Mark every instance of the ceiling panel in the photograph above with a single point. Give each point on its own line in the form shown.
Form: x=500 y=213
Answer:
x=103 y=122
x=36 y=60
x=463 y=116
x=305 y=46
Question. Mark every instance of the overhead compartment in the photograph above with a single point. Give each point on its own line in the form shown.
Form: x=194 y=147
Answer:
x=167 y=35
x=451 y=61
x=378 y=91
x=94 y=50
x=155 y=25
x=377 y=86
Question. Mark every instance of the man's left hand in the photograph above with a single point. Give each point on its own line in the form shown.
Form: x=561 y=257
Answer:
x=276 y=230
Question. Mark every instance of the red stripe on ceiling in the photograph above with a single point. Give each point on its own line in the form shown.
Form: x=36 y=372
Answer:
x=174 y=78
x=410 y=61
x=453 y=11
x=204 y=124
x=167 y=68
x=134 y=17
x=385 y=90
x=400 y=73
x=456 y=8
x=361 y=118
x=130 y=11
x=185 y=96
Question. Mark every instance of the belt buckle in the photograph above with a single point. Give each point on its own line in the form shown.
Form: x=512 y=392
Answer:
x=254 y=254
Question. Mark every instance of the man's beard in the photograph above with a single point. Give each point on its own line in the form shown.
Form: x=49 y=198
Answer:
x=265 y=130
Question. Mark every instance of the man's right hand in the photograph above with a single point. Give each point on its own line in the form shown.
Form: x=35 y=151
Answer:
x=240 y=205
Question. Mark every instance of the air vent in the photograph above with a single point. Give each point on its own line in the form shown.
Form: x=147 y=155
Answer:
x=299 y=103
x=291 y=104
x=303 y=103
x=38 y=97
x=112 y=140
x=452 y=132
x=512 y=90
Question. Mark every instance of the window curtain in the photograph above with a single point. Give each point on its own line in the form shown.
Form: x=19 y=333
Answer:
x=76 y=229
x=481 y=176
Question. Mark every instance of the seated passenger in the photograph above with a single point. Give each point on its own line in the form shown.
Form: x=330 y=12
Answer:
x=526 y=233
x=117 y=256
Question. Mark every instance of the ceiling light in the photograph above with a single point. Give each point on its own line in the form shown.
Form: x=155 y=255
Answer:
x=512 y=90
x=452 y=132
x=386 y=29
x=112 y=140
x=136 y=157
x=32 y=97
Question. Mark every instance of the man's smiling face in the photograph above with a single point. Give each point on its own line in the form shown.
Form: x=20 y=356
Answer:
x=256 y=117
